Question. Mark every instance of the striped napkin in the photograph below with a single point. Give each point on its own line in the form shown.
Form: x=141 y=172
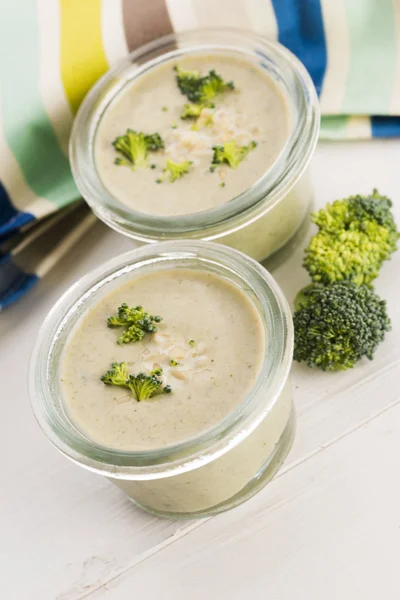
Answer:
x=52 y=52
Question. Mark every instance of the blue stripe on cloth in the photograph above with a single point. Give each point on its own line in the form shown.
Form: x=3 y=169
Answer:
x=382 y=126
x=301 y=30
x=11 y=219
x=14 y=282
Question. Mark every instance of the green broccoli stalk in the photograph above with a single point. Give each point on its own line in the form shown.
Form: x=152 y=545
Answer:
x=136 y=321
x=201 y=89
x=356 y=235
x=175 y=170
x=231 y=153
x=141 y=385
x=337 y=324
x=134 y=147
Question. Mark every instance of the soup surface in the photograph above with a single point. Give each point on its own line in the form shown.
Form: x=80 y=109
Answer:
x=209 y=346
x=254 y=115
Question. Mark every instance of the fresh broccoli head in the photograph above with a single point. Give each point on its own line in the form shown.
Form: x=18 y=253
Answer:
x=134 y=147
x=136 y=321
x=175 y=170
x=201 y=89
x=355 y=236
x=141 y=385
x=231 y=153
x=337 y=324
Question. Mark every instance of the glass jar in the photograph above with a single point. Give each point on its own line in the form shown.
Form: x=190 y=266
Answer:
x=259 y=221
x=217 y=469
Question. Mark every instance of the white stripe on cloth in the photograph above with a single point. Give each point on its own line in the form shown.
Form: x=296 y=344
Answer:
x=112 y=29
x=182 y=14
x=359 y=128
x=262 y=18
x=11 y=176
x=338 y=52
x=50 y=84
x=222 y=13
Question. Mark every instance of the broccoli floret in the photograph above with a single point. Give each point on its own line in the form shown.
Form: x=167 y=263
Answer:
x=154 y=142
x=175 y=170
x=141 y=385
x=118 y=375
x=231 y=153
x=356 y=235
x=134 y=147
x=145 y=386
x=201 y=89
x=136 y=321
x=191 y=111
x=337 y=324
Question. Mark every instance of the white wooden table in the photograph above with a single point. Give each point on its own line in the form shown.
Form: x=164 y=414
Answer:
x=327 y=527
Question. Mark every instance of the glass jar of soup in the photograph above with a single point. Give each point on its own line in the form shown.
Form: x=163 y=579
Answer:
x=219 y=464
x=255 y=207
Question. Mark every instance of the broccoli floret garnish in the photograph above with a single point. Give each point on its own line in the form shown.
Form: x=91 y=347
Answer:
x=137 y=323
x=337 y=324
x=201 y=89
x=118 y=375
x=145 y=386
x=141 y=385
x=134 y=148
x=356 y=235
x=231 y=154
x=154 y=142
x=175 y=170
x=191 y=111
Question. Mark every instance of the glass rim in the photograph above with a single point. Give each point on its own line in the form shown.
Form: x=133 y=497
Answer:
x=257 y=199
x=208 y=445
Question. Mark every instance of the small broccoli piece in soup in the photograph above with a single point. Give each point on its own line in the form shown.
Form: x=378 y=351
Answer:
x=133 y=148
x=201 y=89
x=175 y=170
x=231 y=154
x=142 y=386
x=136 y=321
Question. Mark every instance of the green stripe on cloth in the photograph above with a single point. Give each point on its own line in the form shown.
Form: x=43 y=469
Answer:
x=27 y=128
x=334 y=127
x=342 y=127
x=372 y=58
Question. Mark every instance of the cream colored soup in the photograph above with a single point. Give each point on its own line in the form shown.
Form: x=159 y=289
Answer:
x=255 y=111
x=212 y=377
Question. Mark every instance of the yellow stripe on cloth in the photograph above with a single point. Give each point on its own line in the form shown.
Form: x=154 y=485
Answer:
x=83 y=59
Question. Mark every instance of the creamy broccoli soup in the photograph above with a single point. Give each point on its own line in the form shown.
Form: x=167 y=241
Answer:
x=192 y=344
x=191 y=134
